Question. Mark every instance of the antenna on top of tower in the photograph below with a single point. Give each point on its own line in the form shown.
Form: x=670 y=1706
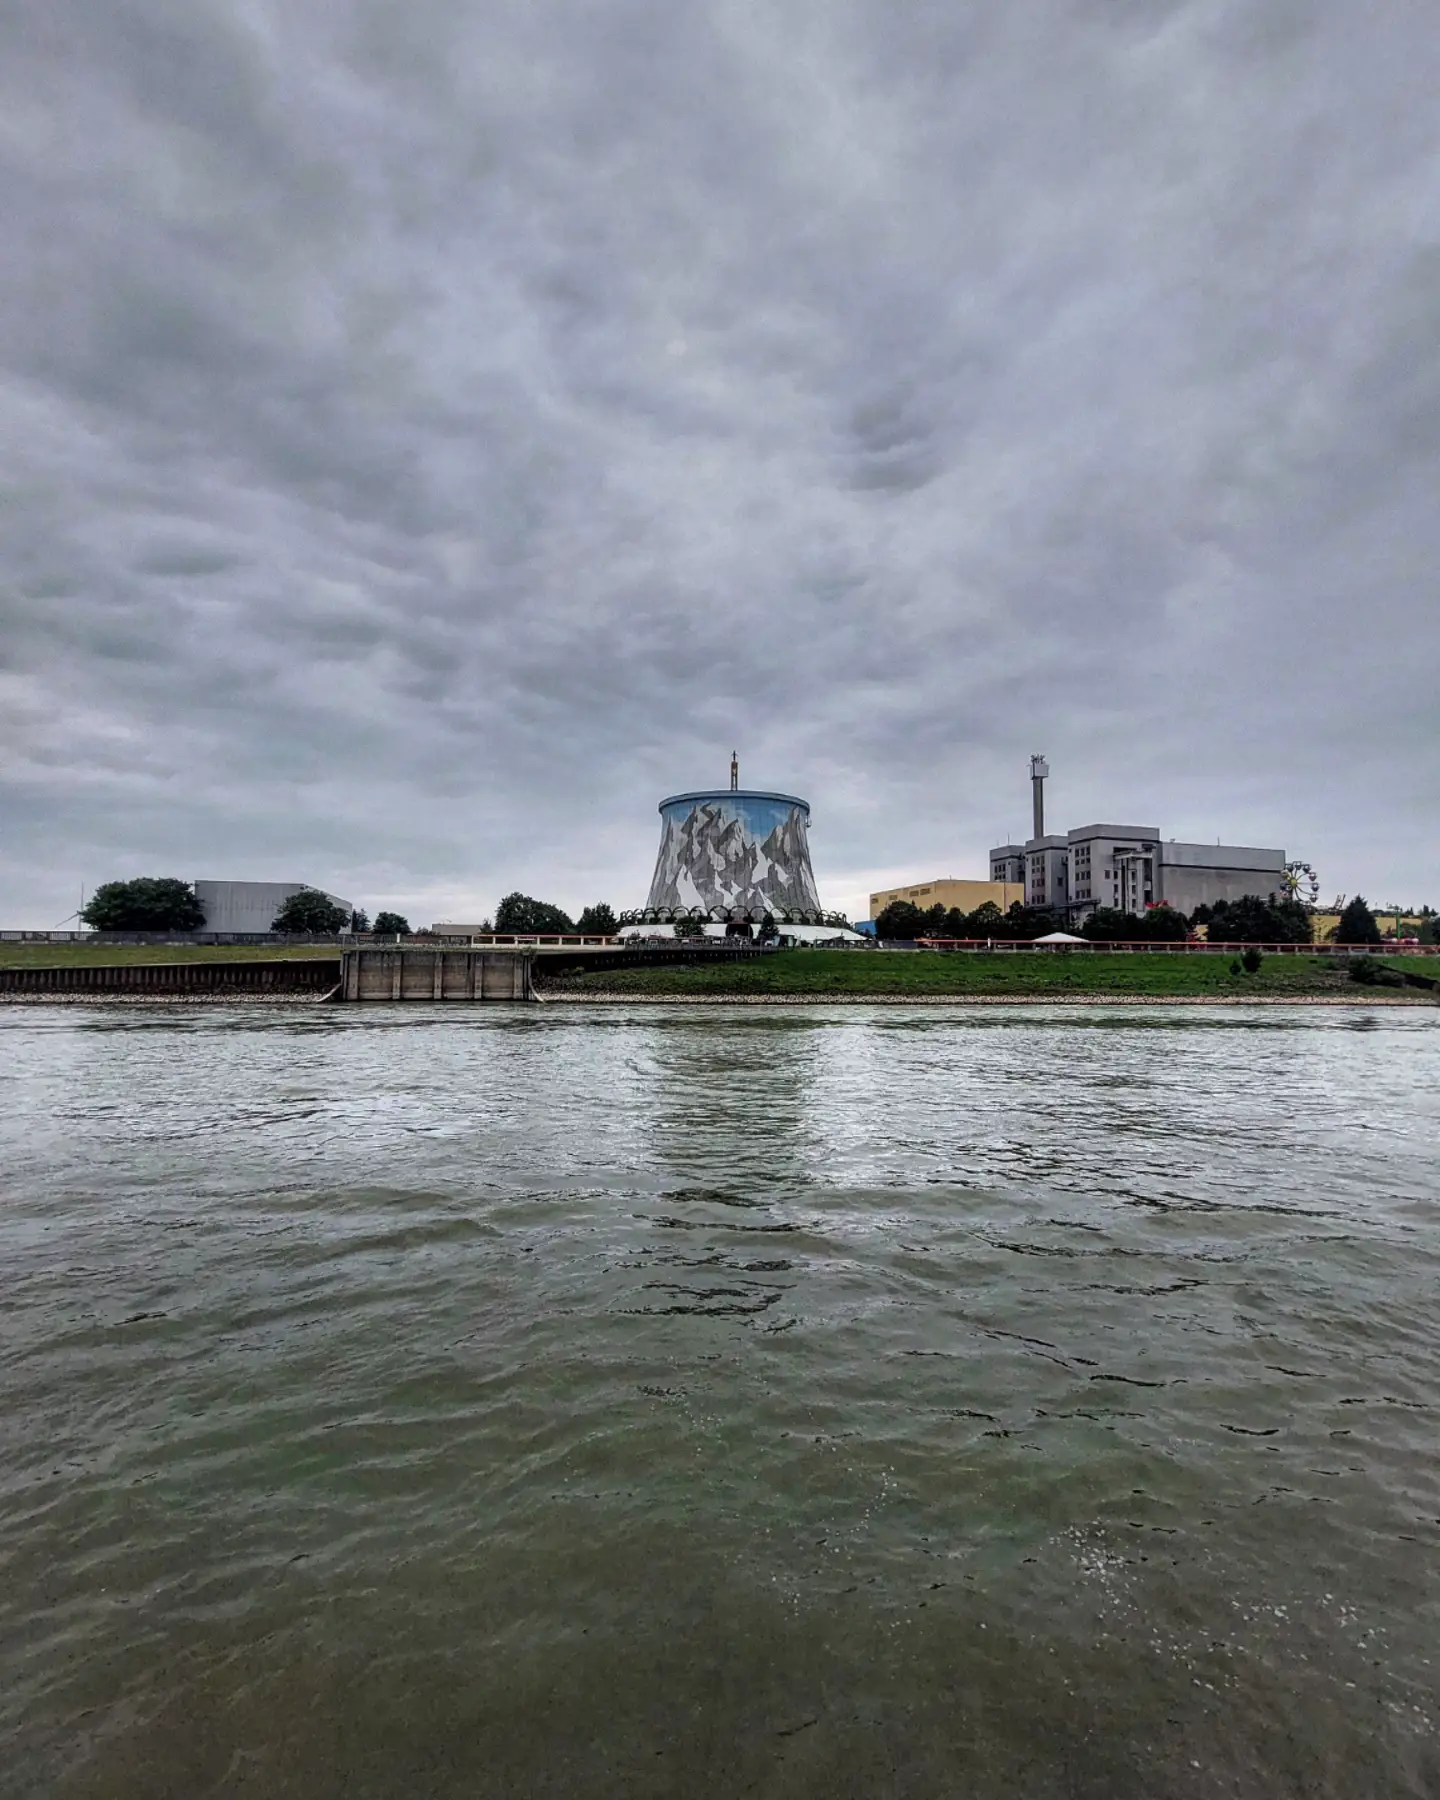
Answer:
x=734 y=771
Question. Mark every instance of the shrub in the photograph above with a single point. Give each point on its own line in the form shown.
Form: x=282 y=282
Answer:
x=1251 y=961
x=1369 y=971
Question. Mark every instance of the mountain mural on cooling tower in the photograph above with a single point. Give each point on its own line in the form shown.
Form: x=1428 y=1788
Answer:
x=741 y=852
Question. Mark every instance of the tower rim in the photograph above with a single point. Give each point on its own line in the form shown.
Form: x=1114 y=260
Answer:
x=733 y=794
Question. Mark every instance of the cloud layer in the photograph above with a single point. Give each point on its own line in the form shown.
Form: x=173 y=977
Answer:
x=433 y=434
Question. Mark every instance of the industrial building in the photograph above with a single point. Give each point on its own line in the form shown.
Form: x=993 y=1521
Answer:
x=249 y=906
x=1129 y=867
x=951 y=892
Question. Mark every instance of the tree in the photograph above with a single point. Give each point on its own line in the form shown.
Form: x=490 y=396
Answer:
x=149 y=903
x=1028 y=922
x=901 y=919
x=389 y=924
x=1109 y=925
x=1357 y=924
x=359 y=920
x=1255 y=920
x=310 y=913
x=518 y=912
x=1163 y=925
x=598 y=921
x=986 y=921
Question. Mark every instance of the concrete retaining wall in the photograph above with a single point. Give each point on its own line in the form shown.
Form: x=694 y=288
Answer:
x=406 y=974
x=288 y=975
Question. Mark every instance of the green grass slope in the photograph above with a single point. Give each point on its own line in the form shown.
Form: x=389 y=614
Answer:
x=843 y=974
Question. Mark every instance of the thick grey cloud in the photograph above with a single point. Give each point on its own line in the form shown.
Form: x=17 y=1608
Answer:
x=431 y=434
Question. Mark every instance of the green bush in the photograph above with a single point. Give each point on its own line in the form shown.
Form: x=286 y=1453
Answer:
x=1369 y=971
x=1251 y=961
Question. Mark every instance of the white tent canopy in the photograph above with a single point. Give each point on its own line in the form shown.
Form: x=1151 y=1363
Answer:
x=1061 y=937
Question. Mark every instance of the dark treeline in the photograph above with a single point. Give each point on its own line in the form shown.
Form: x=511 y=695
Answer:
x=1252 y=920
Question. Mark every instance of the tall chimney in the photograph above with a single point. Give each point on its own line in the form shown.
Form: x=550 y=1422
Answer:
x=1039 y=770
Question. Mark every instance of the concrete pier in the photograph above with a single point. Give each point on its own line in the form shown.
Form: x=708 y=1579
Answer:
x=404 y=972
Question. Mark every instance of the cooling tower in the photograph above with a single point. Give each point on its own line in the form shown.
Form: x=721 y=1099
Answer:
x=735 y=854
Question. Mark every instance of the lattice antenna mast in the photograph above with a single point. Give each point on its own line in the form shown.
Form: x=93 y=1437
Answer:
x=734 y=771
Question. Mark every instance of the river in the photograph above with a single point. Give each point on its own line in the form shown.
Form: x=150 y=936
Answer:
x=639 y=1401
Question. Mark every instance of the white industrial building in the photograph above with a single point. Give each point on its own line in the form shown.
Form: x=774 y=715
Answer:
x=1129 y=867
x=250 y=906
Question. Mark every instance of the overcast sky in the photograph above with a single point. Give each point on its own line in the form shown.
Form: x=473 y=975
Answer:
x=431 y=433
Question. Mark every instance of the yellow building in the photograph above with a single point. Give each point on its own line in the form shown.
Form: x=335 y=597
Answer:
x=947 y=891
x=1404 y=925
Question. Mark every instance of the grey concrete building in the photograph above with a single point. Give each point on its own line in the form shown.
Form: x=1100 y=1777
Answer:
x=1194 y=875
x=1047 y=873
x=1113 y=865
x=1131 y=867
x=249 y=906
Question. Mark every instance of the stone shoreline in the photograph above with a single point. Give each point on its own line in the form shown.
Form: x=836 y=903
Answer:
x=613 y=997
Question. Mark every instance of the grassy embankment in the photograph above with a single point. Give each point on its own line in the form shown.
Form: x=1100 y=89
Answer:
x=845 y=974
x=108 y=956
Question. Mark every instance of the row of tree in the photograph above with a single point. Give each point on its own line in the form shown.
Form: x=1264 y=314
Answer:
x=153 y=903
x=1251 y=920
x=162 y=903
x=518 y=912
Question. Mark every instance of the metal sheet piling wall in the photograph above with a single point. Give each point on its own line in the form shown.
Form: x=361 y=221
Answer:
x=405 y=973
x=293 y=975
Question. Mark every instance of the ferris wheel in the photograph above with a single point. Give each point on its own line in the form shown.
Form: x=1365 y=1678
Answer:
x=1302 y=883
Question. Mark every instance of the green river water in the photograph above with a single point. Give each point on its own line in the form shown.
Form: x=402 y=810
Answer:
x=495 y=1401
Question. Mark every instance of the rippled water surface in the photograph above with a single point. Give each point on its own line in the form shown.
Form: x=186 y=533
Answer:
x=532 y=1402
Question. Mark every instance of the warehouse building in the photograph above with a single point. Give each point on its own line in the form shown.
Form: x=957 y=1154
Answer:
x=949 y=891
x=249 y=906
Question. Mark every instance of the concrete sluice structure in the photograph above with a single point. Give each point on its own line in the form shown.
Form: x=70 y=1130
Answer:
x=403 y=973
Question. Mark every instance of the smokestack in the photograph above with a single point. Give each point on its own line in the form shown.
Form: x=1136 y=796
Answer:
x=1039 y=770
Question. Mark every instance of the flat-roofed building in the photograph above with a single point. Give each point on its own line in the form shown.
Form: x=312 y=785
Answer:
x=247 y=907
x=1047 y=873
x=1113 y=865
x=1130 y=867
x=1194 y=875
x=952 y=891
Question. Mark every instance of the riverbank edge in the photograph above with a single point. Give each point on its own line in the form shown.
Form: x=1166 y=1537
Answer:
x=614 y=997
